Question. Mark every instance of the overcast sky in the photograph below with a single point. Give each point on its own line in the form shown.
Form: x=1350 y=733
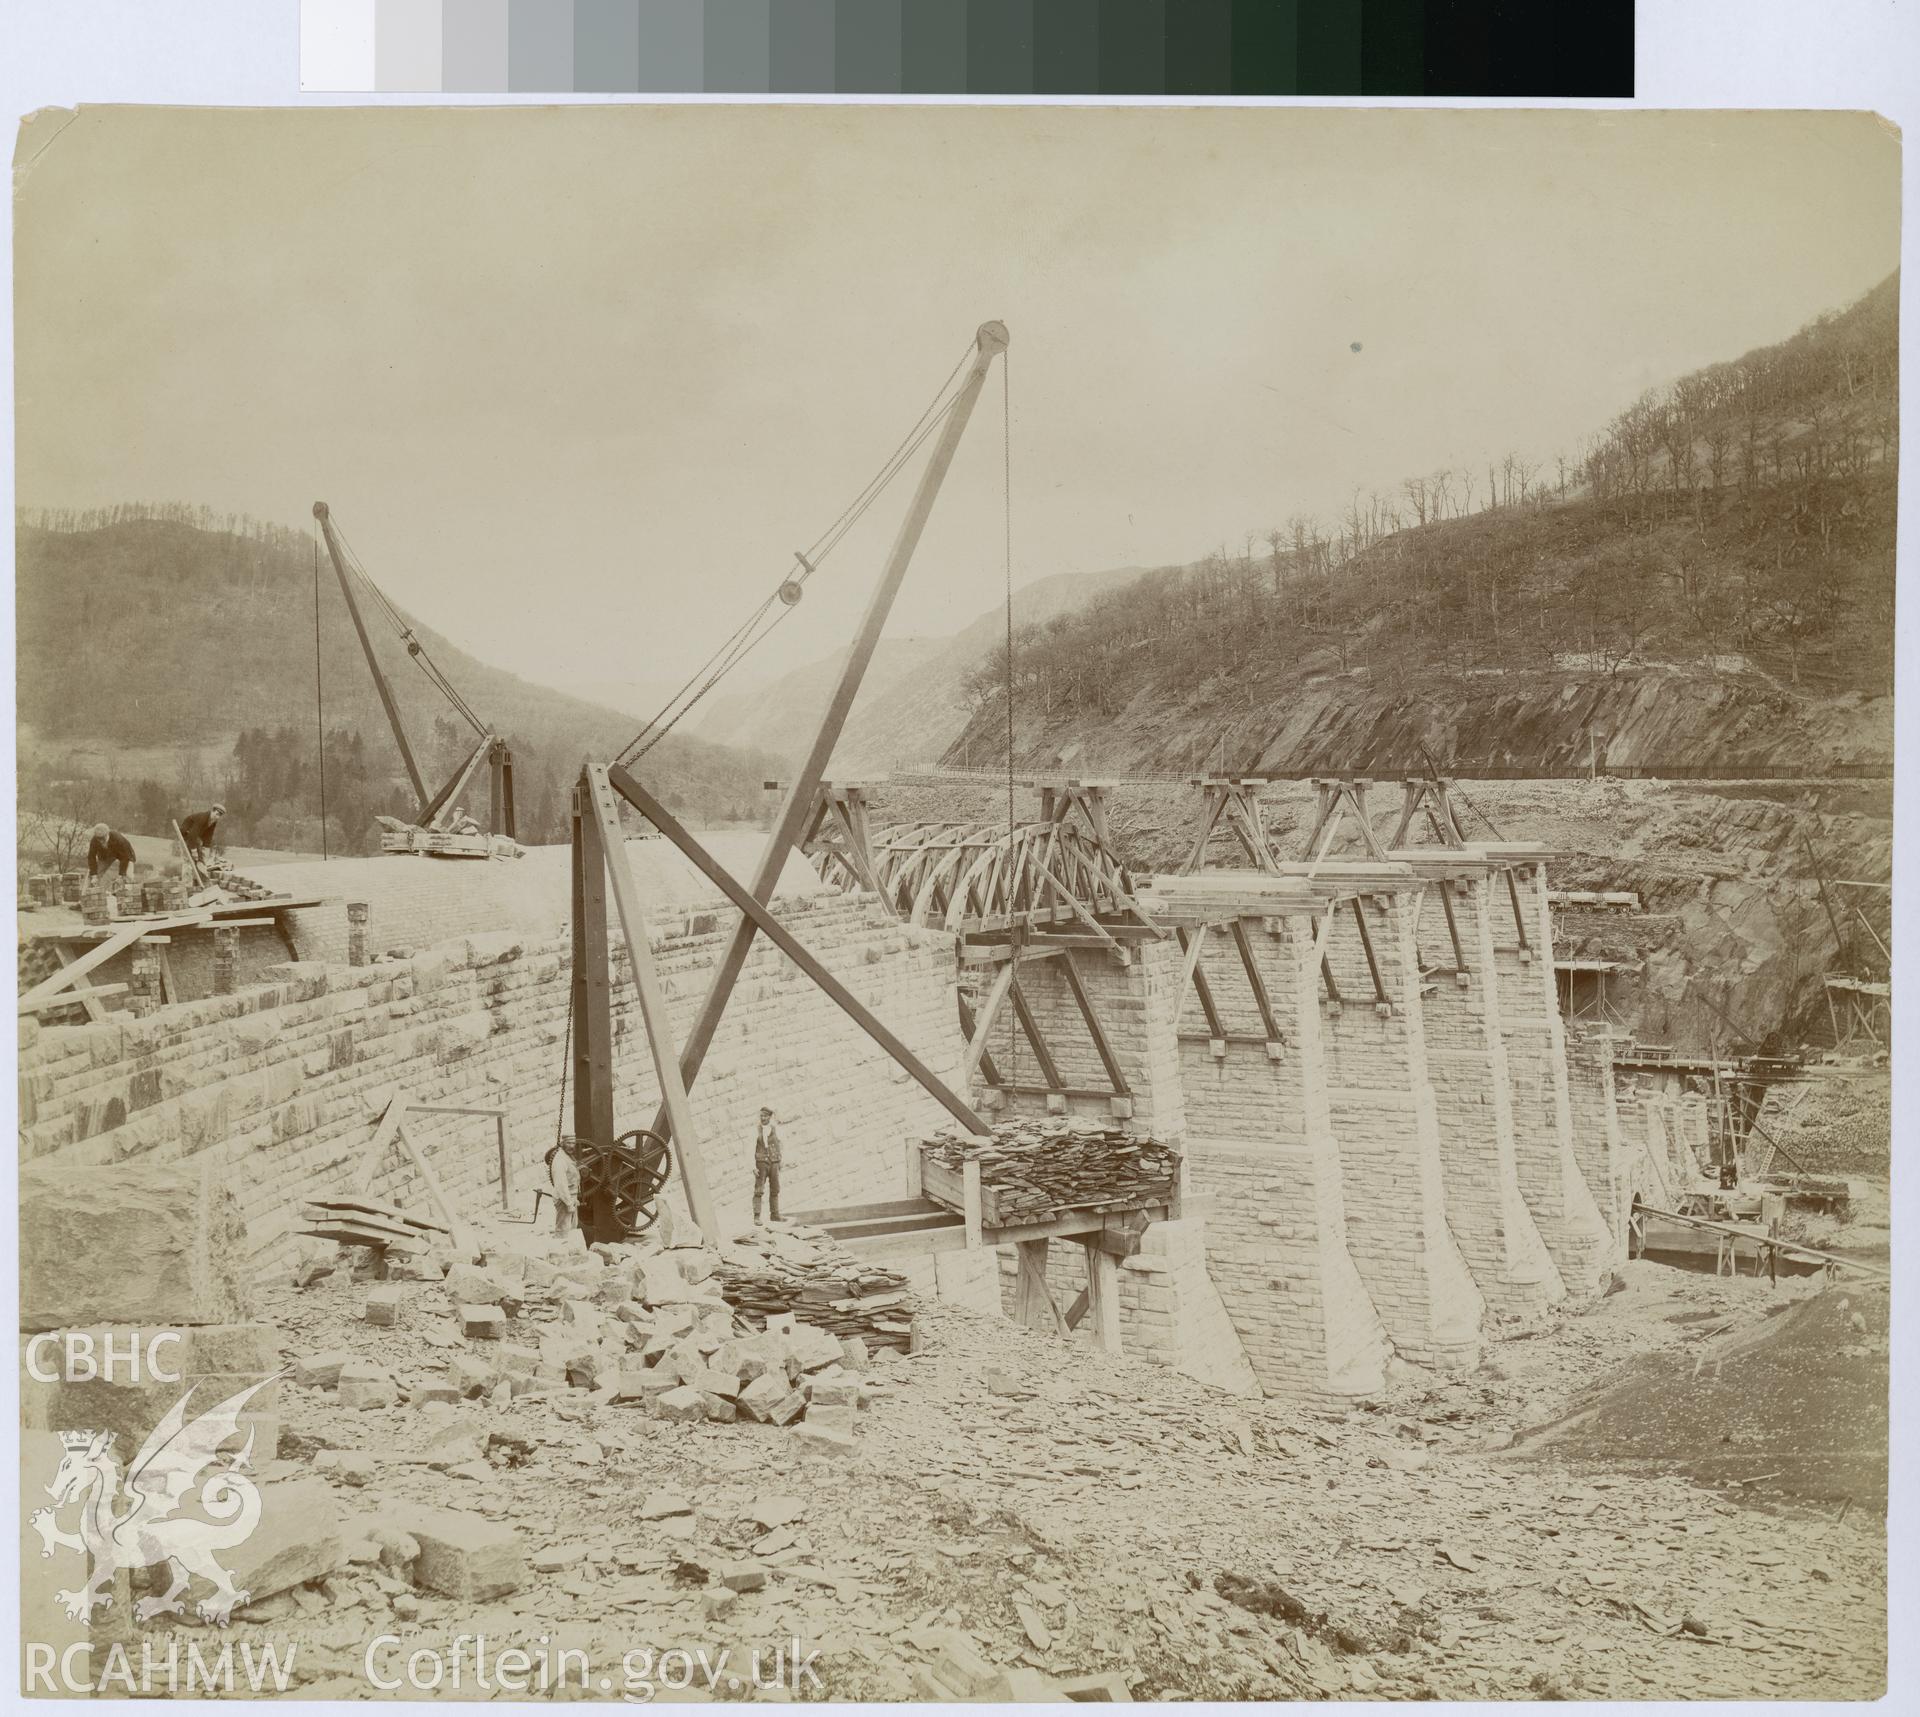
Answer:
x=576 y=381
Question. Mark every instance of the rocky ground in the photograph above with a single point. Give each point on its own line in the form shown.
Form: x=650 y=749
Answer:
x=1009 y=1502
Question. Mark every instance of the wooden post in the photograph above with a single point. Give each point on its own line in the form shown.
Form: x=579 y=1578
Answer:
x=592 y=993
x=1103 y=1296
x=653 y=1005
x=983 y=1025
x=380 y=685
x=1034 y=1303
x=972 y=1201
x=989 y=342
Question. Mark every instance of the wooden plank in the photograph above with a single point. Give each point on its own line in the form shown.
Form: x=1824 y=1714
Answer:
x=1034 y=1304
x=1260 y=996
x=1108 y=1059
x=89 y=993
x=1193 y=946
x=1366 y=942
x=72 y=971
x=385 y=1127
x=977 y=1042
x=1041 y=1054
x=84 y=995
x=972 y=1199
x=436 y=1193
x=1216 y=803
x=1202 y=988
x=1077 y=1312
x=970 y=1032
x=1103 y=1290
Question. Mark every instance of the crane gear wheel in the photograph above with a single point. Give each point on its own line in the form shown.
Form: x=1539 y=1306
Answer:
x=618 y=1182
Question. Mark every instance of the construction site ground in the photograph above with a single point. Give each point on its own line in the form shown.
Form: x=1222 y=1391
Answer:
x=1671 y=1533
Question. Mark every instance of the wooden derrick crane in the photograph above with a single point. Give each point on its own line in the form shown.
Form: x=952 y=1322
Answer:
x=601 y=874
x=432 y=831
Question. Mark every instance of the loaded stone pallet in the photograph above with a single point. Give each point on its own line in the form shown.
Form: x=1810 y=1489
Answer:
x=1034 y=1171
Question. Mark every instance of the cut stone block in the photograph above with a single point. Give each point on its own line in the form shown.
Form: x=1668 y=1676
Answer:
x=760 y=1398
x=383 y=1305
x=461 y=1555
x=131 y=1410
x=833 y=1392
x=695 y=1263
x=141 y=1244
x=298 y=1539
x=363 y=1385
x=836 y=1419
x=789 y=1409
x=468 y=1374
x=820 y=1440
x=814 y=1347
x=322 y=1370
x=683 y=1402
x=743 y=1577
x=482 y=1323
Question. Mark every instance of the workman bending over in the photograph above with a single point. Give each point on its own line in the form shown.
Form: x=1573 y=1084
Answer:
x=201 y=829
x=108 y=848
x=766 y=1167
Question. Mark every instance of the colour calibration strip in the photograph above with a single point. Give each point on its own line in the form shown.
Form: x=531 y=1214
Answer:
x=1524 y=48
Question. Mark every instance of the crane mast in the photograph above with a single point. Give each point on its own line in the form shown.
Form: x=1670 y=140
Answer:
x=433 y=808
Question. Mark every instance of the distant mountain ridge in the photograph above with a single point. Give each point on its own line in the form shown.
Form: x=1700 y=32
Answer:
x=913 y=701
x=169 y=633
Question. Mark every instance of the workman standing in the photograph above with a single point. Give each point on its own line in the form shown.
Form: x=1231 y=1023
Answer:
x=108 y=848
x=200 y=829
x=766 y=1167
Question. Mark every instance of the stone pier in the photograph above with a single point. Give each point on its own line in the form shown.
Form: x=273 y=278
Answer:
x=1466 y=1055
x=1385 y=1120
x=1261 y=1143
x=1598 y=1138
x=1556 y=1192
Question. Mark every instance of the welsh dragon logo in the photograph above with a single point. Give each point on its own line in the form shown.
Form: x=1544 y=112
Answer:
x=142 y=1520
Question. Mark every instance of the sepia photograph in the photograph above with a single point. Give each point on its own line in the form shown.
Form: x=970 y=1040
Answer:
x=955 y=903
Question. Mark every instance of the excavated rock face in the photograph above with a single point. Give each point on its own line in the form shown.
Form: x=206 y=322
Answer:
x=129 y=1244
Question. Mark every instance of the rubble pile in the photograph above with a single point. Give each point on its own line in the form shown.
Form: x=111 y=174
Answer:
x=1035 y=1170
x=640 y=1326
x=813 y=1283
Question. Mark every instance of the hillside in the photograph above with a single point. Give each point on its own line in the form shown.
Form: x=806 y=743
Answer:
x=135 y=717
x=1710 y=584
x=913 y=703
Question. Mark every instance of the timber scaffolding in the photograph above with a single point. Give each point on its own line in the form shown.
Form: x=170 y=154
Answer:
x=1355 y=1047
x=1044 y=897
